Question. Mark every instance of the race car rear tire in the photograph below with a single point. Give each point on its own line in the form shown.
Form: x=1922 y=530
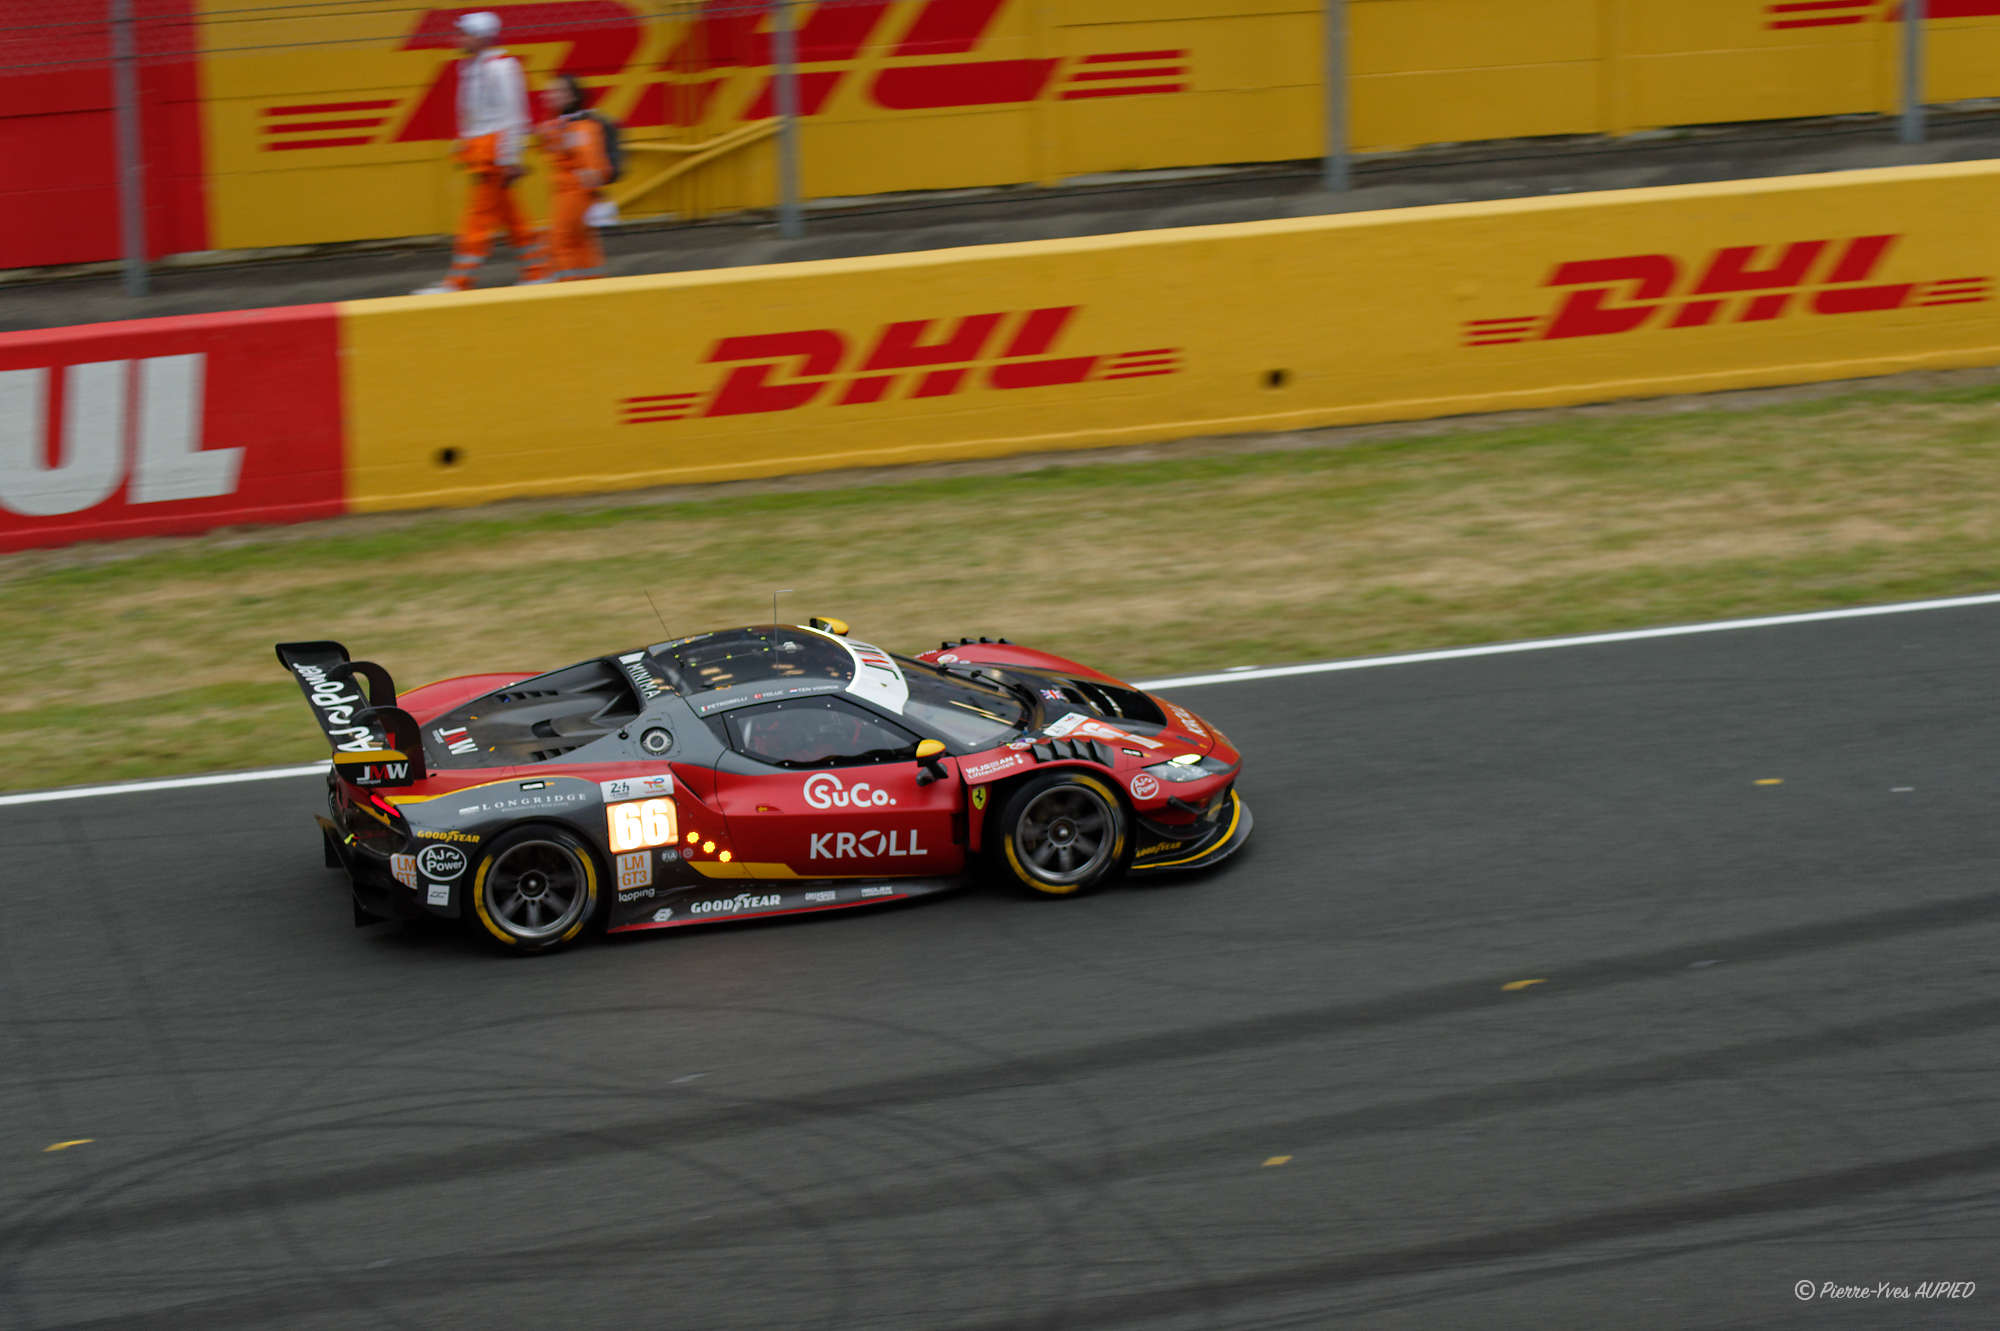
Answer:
x=536 y=889
x=1063 y=834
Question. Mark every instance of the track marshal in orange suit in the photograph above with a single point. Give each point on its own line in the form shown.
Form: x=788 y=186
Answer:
x=492 y=130
x=573 y=143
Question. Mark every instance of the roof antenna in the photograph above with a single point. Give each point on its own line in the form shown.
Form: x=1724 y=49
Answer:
x=774 y=602
x=656 y=613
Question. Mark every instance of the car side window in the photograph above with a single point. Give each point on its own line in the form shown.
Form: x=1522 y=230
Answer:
x=816 y=732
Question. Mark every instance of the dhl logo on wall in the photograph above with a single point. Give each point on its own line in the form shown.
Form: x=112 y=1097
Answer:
x=181 y=424
x=721 y=65
x=337 y=129
x=915 y=358
x=1737 y=283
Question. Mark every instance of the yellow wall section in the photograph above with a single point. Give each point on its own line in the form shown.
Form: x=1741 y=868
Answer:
x=1248 y=90
x=1251 y=327
x=1424 y=71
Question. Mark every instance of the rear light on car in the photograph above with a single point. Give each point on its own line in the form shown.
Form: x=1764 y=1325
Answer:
x=376 y=806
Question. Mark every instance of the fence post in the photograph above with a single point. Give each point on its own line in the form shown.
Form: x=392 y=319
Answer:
x=1913 y=71
x=1335 y=162
x=131 y=152
x=786 y=53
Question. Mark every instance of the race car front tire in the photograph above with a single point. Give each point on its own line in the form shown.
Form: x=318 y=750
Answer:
x=535 y=890
x=1063 y=834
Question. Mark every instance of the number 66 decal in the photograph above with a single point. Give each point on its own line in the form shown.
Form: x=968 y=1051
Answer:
x=641 y=823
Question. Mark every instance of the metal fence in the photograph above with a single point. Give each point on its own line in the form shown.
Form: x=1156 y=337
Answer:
x=206 y=91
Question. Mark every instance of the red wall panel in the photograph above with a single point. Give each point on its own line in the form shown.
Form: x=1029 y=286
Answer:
x=59 y=193
x=162 y=426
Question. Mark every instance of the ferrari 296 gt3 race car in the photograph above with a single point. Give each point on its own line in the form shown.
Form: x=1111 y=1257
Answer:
x=772 y=770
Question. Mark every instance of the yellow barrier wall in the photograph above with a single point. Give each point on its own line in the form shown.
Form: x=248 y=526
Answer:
x=1262 y=326
x=333 y=122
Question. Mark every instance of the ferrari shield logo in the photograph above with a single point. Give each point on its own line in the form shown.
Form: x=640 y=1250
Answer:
x=979 y=797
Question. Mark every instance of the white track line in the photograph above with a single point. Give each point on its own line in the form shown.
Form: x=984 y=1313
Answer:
x=1239 y=675
x=165 y=783
x=1549 y=644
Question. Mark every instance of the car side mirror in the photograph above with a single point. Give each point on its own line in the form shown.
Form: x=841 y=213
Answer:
x=929 y=754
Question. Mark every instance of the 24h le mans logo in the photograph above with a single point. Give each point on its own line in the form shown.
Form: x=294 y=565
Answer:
x=1736 y=284
x=910 y=358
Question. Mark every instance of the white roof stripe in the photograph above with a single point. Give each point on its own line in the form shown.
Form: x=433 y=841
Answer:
x=877 y=677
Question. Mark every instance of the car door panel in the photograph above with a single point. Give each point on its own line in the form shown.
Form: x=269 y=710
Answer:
x=866 y=820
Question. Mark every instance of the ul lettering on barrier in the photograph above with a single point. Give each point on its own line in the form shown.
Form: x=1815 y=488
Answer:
x=907 y=359
x=1736 y=284
x=64 y=435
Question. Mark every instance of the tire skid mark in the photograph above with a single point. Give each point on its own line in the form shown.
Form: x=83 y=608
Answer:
x=1609 y=1225
x=943 y=1192
x=144 y=1008
x=1490 y=1282
x=490 y=1095
x=32 y=1063
x=1016 y=1072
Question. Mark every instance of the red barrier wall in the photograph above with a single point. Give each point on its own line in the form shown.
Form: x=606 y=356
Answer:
x=58 y=134
x=162 y=426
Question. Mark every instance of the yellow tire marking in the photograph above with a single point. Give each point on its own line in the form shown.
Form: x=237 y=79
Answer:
x=479 y=904
x=64 y=1146
x=1117 y=849
x=590 y=900
x=1769 y=781
x=1027 y=879
x=590 y=895
x=1277 y=1160
x=1521 y=984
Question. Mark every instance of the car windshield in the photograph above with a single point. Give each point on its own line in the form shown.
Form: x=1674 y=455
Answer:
x=739 y=657
x=964 y=713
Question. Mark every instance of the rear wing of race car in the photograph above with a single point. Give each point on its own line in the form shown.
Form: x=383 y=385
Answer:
x=375 y=742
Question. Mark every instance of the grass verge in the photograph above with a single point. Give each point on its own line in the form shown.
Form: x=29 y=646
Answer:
x=156 y=658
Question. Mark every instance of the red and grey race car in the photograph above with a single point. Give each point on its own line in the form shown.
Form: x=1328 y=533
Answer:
x=772 y=770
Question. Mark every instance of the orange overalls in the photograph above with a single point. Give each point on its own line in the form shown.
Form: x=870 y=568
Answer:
x=491 y=93
x=574 y=146
x=490 y=207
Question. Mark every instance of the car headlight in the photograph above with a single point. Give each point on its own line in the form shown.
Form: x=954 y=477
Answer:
x=1185 y=768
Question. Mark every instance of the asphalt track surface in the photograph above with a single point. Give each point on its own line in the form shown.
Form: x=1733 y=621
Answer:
x=1293 y=1093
